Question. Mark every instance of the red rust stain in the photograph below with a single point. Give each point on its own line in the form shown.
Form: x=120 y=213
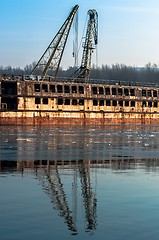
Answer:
x=79 y=121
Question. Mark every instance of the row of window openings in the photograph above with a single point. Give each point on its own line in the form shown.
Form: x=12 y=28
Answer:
x=149 y=104
x=59 y=88
x=38 y=100
x=114 y=103
x=127 y=92
x=95 y=90
x=121 y=91
x=61 y=101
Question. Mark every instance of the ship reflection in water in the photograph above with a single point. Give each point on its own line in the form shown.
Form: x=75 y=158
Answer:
x=79 y=182
x=53 y=185
x=49 y=176
x=91 y=198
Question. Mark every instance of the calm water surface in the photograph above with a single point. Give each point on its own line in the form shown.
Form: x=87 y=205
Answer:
x=79 y=183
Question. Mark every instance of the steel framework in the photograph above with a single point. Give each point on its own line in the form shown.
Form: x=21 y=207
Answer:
x=51 y=58
x=91 y=40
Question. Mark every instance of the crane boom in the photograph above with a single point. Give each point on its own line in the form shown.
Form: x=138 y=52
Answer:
x=51 y=58
x=91 y=40
x=54 y=188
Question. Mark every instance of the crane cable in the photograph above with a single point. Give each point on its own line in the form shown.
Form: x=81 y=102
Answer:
x=75 y=40
x=96 y=56
x=83 y=34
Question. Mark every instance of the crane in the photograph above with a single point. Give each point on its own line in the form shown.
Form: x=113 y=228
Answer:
x=52 y=185
x=89 y=199
x=91 y=40
x=51 y=58
x=54 y=188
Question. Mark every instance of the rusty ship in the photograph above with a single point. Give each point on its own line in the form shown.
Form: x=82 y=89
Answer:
x=44 y=98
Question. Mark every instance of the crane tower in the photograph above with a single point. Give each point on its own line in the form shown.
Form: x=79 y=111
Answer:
x=51 y=58
x=91 y=40
x=49 y=63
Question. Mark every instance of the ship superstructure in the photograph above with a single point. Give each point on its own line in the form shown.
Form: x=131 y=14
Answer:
x=43 y=98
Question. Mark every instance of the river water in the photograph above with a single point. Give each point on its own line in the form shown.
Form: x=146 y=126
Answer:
x=79 y=182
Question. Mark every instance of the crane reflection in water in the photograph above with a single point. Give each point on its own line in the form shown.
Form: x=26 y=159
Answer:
x=50 y=176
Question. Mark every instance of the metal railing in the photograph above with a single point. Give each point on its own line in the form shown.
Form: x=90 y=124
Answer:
x=91 y=81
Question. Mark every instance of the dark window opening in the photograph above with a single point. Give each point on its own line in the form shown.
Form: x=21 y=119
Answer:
x=120 y=103
x=45 y=100
x=36 y=87
x=114 y=103
x=107 y=91
x=52 y=88
x=74 y=102
x=143 y=92
x=101 y=102
x=113 y=91
x=149 y=93
x=9 y=88
x=60 y=101
x=108 y=103
x=59 y=88
x=44 y=88
x=95 y=102
x=120 y=91
x=154 y=93
x=94 y=90
x=67 y=89
x=37 y=100
x=81 y=101
x=67 y=101
x=155 y=104
x=81 y=89
x=149 y=104
x=101 y=90
x=126 y=103
x=74 y=89
x=9 y=103
x=132 y=92
x=144 y=104
x=126 y=91
x=132 y=103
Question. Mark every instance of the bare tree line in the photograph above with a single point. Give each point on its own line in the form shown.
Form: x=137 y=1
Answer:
x=117 y=72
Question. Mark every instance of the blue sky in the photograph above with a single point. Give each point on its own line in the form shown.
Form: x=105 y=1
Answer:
x=128 y=30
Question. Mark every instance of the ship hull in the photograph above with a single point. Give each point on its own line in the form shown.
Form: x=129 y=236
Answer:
x=73 y=118
x=32 y=102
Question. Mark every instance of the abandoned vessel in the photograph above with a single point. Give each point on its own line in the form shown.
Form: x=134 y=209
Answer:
x=42 y=98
